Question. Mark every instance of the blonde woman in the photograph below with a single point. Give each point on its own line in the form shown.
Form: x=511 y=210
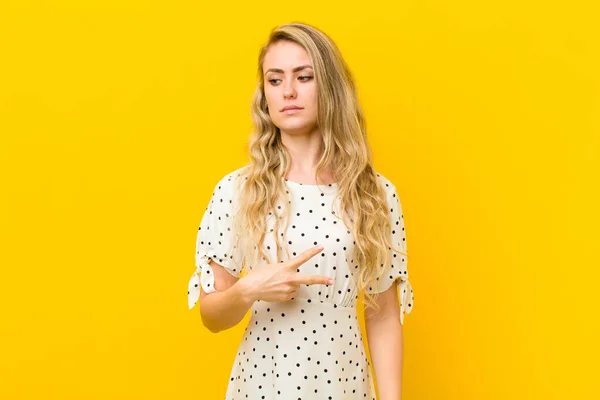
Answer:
x=312 y=225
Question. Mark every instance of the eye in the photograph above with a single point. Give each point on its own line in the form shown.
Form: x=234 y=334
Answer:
x=308 y=78
x=272 y=81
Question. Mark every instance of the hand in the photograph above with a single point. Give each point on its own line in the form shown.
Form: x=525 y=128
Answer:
x=280 y=281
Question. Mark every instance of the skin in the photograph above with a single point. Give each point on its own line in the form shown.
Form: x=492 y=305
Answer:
x=285 y=86
x=286 y=83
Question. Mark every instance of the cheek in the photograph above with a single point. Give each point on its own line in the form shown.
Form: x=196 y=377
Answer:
x=269 y=96
x=311 y=94
x=271 y=103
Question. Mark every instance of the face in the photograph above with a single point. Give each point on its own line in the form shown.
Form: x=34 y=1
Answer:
x=290 y=82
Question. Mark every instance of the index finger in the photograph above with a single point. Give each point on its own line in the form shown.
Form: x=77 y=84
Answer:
x=304 y=256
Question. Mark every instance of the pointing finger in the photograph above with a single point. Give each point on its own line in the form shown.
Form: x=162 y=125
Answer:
x=304 y=256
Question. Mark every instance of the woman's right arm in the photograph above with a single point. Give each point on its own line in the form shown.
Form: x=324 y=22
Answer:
x=225 y=307
x=233 y=297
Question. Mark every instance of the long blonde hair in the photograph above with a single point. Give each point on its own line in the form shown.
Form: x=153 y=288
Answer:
x=346 y=153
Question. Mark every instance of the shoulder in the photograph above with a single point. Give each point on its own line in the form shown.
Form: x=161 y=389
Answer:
x=392 y=197
x=387 y=184
x=228 y=183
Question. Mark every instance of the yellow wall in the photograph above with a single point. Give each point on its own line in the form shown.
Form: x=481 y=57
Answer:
x=117 y=119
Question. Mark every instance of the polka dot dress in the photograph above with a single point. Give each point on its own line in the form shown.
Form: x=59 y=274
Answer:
x=310 y=347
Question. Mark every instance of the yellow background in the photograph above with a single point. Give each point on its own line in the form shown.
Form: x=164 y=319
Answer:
x=118 y=118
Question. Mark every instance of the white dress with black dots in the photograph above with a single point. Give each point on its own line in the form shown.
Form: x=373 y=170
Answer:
x=310 y=347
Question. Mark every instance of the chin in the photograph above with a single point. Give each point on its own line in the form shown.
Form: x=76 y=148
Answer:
x=296 y=128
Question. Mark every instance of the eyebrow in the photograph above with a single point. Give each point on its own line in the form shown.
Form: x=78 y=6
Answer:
x=299 y=68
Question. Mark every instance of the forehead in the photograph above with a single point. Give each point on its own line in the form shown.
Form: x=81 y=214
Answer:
x=285 y=55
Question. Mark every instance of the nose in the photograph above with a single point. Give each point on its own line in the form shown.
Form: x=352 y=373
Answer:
x=289 y=91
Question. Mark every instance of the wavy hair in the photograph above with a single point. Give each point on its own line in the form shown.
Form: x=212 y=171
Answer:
x=346 y=153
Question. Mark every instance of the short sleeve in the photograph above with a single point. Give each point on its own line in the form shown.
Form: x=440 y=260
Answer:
x=396 y=271
x=214 y=241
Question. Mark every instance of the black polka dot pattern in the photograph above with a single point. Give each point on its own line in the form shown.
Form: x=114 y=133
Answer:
x=214 y=240
x=310 y=347
x=396 y=271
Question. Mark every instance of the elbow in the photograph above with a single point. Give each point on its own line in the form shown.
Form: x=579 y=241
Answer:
x=211 y=328
x=207 y=324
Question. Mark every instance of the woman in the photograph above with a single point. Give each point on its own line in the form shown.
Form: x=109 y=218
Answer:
x=309 y=207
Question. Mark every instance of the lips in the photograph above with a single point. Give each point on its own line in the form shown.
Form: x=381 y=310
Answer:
x=291 y=108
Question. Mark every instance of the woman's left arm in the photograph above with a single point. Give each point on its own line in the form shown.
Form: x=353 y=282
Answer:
x=386 y=344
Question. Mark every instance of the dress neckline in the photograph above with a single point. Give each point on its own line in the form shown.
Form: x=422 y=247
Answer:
x=309 y=185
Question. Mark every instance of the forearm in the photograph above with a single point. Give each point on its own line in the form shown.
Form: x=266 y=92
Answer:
x=222 y=310
x=385 y=338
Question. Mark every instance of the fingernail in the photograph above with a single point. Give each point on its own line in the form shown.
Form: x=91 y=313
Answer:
x=330 y=281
